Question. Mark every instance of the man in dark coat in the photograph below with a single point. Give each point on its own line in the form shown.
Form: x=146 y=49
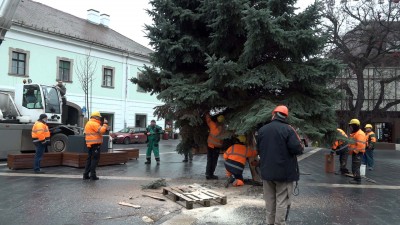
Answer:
x=278 y=145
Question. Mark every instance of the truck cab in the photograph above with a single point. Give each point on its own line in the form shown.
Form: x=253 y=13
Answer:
x=34 y=99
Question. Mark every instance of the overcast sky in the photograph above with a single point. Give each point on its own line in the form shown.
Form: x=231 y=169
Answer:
x=126 y=16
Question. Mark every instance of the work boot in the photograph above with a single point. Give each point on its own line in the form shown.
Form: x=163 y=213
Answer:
x=370 y=168
x=185 y=160
x=148 y=161
x=158 y=161
x=212 y=177
x=94 y=178
x=86 y=177
x=355 y=181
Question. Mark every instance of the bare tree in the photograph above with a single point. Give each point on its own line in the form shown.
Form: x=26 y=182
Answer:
x=365 y=36
x=85 y=70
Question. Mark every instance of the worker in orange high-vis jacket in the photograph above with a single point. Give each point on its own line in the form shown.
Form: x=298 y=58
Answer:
x=235 y=161
x=41 y=138
x=340 y=147
x=94 y=131
x=368 y=158
x=214 y=143
x=357 y=146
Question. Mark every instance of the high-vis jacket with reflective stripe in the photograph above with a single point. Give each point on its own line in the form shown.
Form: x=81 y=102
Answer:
x=338 y=143
x=239 y=153
x=40 y=132
x=214 y=140
x=360 y=143
x=94 y=132
x=371 y=139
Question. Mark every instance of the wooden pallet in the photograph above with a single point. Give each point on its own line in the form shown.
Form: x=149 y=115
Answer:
x=191 y=194
x=78 y=160
x=25 y=161
x=133 y=153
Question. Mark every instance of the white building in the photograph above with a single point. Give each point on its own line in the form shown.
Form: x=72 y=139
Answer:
x=47 y=45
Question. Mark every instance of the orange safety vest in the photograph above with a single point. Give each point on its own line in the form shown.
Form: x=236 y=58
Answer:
x=373 y=137
x=94 y=132
x=40 y=132
x=239 y=153
x=360 y=143
x=338 y=143
x=214 y=141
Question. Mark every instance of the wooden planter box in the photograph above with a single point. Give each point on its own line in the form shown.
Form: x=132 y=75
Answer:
x=25 y=161
x=133 y=153
x=78 y=160
x=74 y=159
x=200 y=150
x=385 y=146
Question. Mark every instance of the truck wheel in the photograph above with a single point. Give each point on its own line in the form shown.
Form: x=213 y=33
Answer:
x=59 y=143
x=127 y=141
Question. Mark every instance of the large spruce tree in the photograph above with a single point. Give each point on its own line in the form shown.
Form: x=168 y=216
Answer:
x=242 y=58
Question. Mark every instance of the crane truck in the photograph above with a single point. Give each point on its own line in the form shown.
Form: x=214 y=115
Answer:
x=19 y=109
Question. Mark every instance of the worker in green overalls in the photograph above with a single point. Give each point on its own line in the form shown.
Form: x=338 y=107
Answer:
x=153 y=137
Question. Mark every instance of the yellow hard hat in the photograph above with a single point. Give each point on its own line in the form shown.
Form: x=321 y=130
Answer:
x=368 y=126
x=241 y=138
x=221 y=118
x=355 y=121
x=96 y=113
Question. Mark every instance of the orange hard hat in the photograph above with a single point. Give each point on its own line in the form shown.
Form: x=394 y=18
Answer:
x=281 y=109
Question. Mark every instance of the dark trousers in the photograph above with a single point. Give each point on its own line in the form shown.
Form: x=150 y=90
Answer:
x=355 y=165
x=368 y=158
x=235 y=170
x=92 y=160
x=343 y=162
x=40 y=148
x=212 y=160
x=189 y=155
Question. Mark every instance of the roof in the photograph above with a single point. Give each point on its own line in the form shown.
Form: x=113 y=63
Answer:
x=40 y=17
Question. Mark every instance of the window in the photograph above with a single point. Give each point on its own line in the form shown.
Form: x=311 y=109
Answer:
x=52 y=100
x=19 y=60
x=64 y=69
x=32 y=98
x=108 y=77
x=139 y=89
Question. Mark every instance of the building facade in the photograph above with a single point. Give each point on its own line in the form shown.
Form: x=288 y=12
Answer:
x=46 y=45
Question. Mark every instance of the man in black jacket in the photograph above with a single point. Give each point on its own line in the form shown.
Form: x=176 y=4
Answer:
x=278 y=145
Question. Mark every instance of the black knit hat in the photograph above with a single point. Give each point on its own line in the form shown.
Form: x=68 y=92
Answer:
x=153 y=121
x=42 y=116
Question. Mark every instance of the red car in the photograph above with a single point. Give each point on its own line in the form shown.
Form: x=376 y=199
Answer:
x=130 y=135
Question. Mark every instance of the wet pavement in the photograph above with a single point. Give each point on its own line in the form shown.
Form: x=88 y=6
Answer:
x=61 y=197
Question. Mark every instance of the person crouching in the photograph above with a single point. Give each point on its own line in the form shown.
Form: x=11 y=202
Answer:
x=235 y=160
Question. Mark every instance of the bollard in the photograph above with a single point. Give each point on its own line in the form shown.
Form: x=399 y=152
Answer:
x=329 y=163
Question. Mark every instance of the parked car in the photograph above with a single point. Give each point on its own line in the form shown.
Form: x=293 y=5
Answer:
x=130 y=135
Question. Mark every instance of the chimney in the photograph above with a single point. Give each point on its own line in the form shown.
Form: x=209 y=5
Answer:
x=105 y=20
x=93 y=16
